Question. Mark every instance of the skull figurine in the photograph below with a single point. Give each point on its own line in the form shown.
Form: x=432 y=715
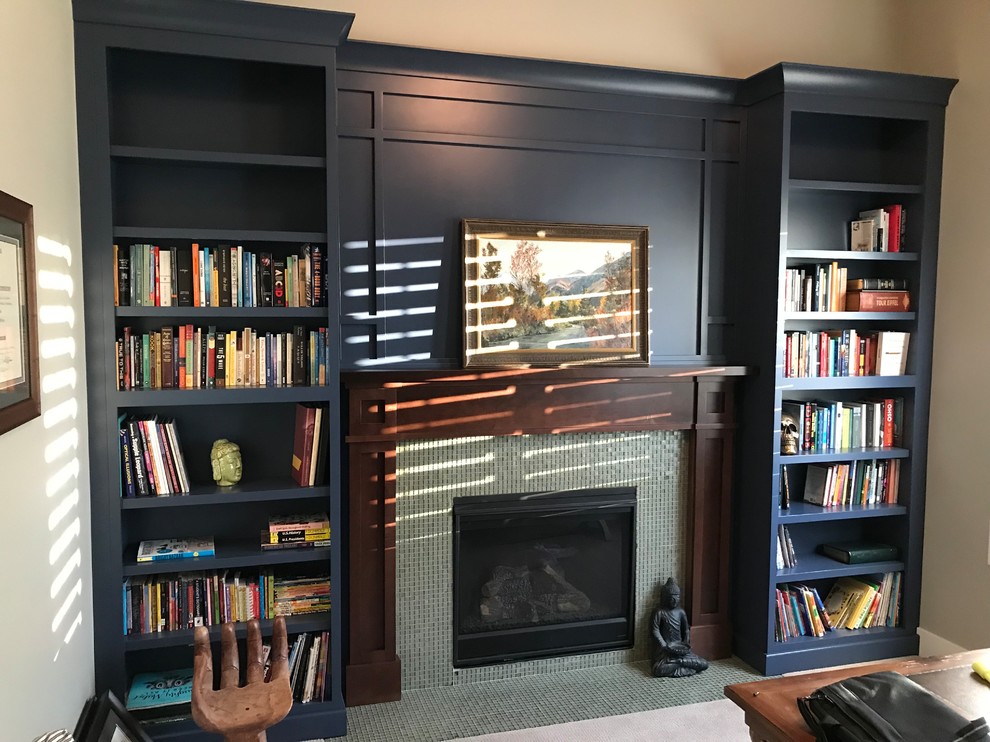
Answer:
x=788 y=434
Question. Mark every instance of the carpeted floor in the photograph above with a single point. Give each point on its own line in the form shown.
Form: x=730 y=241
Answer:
x=714 y=721
x=460 y=711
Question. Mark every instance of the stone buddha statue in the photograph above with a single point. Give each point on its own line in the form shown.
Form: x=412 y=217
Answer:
x=225 y=458
x=671 y=655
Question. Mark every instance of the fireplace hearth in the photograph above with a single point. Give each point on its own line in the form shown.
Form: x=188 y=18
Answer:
x=543 y=574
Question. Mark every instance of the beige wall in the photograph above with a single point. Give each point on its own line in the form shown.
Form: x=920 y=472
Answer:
x=731 y=38
x=46 y=615
x=950 y=39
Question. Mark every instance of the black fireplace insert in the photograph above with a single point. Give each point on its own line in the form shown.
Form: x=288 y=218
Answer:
x=543 y=574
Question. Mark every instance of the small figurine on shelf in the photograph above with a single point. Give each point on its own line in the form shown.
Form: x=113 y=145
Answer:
x=788 y=435
x=671 y=656
x=226 y=459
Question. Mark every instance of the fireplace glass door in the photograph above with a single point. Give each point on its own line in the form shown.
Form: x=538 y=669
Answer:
x=543 y=574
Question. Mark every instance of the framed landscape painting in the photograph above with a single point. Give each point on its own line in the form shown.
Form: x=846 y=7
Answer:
x=538 y=294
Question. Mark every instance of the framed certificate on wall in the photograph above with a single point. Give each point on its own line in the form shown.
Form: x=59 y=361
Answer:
x=20 y=390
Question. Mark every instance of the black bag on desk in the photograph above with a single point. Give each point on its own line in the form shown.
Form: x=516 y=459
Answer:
x=885 y=707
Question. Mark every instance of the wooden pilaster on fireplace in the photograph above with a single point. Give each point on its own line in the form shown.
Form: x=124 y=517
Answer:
x=386 y=407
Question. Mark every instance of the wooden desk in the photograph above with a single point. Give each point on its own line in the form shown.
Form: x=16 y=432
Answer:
x=771 y=705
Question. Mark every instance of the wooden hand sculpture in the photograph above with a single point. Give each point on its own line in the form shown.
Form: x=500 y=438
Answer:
x=241 y=714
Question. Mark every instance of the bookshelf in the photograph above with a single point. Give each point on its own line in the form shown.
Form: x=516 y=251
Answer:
x=210 y=123
x=824 y=144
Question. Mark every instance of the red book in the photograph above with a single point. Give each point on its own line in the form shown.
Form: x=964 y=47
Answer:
x=895 y=224
x=888 y=422
x=156 y=299
x=302 y=444
x=878 y=301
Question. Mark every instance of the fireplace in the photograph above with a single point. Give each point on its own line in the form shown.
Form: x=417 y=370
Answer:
x=401 y=557
x=543 y=574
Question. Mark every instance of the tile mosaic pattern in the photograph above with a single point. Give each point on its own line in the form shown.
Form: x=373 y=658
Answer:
x=538 y=700
x=429 y=474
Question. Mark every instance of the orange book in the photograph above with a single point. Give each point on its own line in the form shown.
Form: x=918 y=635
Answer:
x=878 y=301
x=195 y=274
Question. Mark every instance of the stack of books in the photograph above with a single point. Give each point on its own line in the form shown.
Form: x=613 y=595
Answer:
x=297 y=531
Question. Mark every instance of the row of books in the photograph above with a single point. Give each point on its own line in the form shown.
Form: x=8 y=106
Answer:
x=221 y=276
x=852 y=603
x=151 y=459
x=303 y=530
x=826 y=287
x=837 y=425
x=879 y=230
x=159 y=603
x=829 y=353
x=815 y=288
x=308 y=662
x=786 y=557
x=855 y=483
x=800 y=612
x=188 y=357
x=865 y=602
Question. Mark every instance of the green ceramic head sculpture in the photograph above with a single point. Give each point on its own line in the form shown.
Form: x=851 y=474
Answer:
x=226 y=459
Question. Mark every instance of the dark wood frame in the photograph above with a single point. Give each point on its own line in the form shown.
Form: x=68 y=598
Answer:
x=387 y=407
x=23 y=410
x=635 y=354
x=98 y=713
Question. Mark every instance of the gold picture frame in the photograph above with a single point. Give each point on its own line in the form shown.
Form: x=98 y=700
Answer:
x=20 y=389
x=539 y=294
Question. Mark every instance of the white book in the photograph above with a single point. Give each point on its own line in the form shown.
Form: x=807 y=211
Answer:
x=311 y=662
x=164 y=279
x=892 y=353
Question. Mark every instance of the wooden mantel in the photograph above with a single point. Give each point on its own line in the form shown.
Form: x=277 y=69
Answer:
x=385 y=407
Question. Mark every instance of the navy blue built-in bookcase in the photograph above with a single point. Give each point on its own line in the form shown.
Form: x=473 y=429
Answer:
x=210 y=123
x=823 y=145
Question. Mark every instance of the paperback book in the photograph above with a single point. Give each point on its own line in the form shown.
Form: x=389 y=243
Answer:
x=175 y=548
x=156 y=689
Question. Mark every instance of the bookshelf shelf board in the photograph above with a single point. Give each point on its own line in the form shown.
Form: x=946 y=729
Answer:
x=812 y=566
x=815 y=383
x=805 y=512
x=230 y=158
x=180 y=637
x=234 y=312
x=216 y=235
x=855 y=186
x=844 y=454
x=262 y=491
x=796 y=256
x=180 y=397
x=839 y=636
x=848 y=316
x=230 y=555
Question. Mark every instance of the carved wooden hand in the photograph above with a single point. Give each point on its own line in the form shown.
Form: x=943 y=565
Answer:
x=241 y=714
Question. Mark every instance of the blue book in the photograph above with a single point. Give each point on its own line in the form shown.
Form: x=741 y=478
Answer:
x=156 y=689
x=175 y=548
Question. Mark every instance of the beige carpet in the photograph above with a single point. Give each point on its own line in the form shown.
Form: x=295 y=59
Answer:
x=714 y=721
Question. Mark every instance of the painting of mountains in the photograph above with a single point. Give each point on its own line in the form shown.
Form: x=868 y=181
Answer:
x=573 y=296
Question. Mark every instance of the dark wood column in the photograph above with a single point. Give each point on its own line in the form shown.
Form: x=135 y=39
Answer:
x=386 y=407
